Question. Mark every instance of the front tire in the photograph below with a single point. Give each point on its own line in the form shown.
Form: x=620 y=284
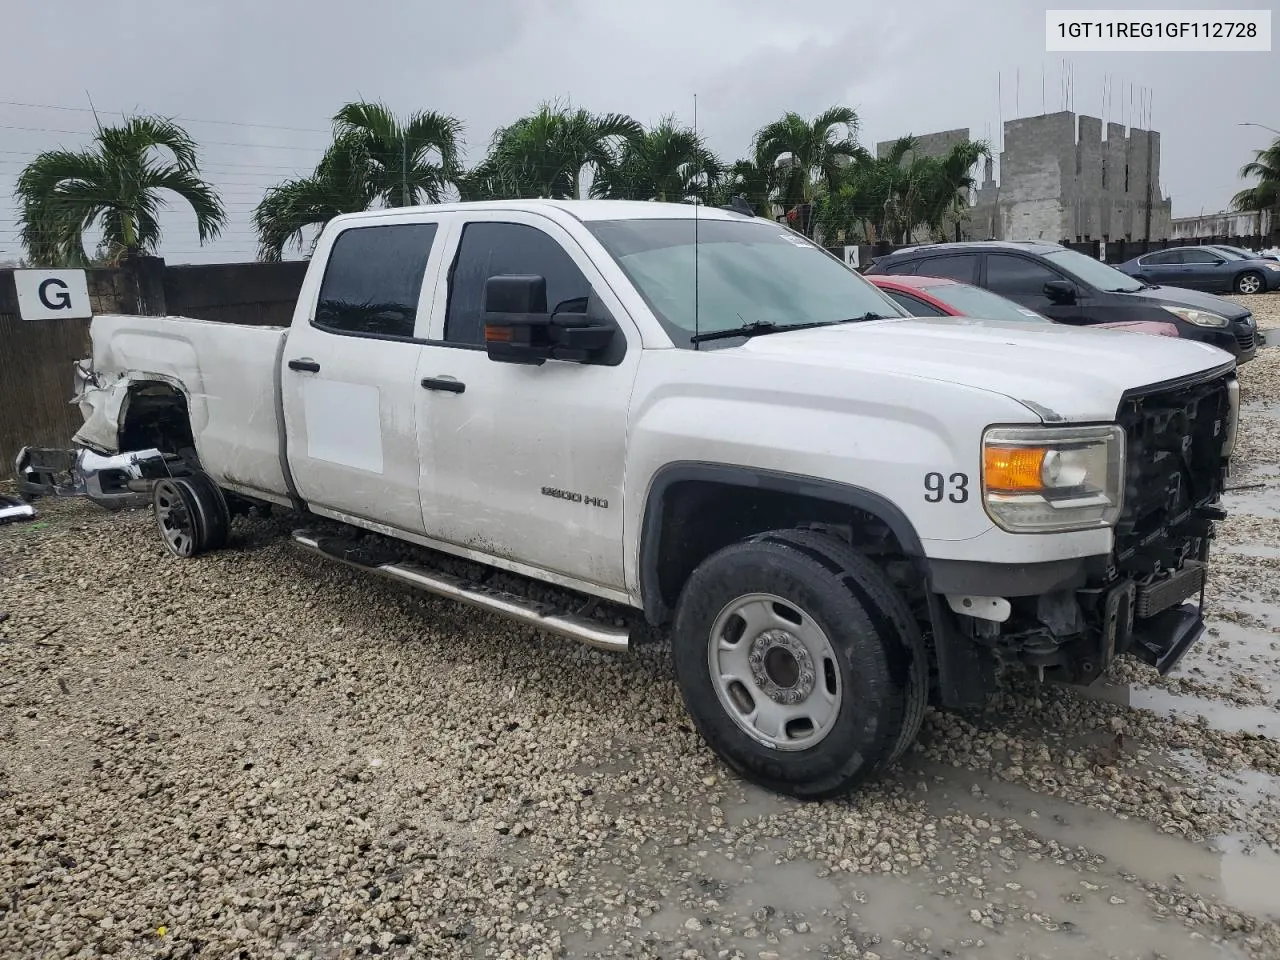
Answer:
x=1250 y=283
x=799 y=663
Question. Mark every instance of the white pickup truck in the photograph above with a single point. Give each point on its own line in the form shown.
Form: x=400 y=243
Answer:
x=833 y=509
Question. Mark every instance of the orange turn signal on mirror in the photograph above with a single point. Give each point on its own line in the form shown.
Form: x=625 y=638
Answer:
x=497 y=334
x=1013 y=469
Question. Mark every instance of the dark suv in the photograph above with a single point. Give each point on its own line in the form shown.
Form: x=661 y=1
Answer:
x=1071 y=287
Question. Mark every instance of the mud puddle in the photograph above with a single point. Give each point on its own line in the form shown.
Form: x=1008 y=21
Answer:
x=1218 y=714
x=1231 y=869
x=1014 y=874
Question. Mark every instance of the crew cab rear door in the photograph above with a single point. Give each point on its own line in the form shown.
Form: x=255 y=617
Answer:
x=348 y=382
x=524 y=463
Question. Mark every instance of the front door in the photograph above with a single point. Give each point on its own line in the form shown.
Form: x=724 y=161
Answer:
x=525 y=463
x=349 y=379
x=1203 y=270
x=1022 y=280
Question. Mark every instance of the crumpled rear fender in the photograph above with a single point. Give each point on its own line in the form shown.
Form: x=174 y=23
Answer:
x=105 y=405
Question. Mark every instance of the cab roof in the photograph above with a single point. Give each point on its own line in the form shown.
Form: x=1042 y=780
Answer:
x=584 y=210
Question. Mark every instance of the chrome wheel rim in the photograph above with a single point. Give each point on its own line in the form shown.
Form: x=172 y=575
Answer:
x=1249 y=284
x=774 y=672
x=174 y=519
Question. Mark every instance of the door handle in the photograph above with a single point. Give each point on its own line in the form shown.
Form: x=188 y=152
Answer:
x=305 y=364
x=445 y=384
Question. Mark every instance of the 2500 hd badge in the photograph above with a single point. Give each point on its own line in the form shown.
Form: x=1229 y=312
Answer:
x=574 y=497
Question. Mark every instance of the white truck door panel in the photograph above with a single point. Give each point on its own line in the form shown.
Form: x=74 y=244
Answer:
x=349 y=384
x=524 y=462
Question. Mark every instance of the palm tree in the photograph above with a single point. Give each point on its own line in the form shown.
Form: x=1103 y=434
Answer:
x=950 y=178
x=866 y=201
x=374 y=159
x=888 y=197
x=746 y=179
x=340 y=184
x=405 y=162
x=1265 y=194
x=550 y=152
x=667 y=162
x=119 y=184
x=808 y=155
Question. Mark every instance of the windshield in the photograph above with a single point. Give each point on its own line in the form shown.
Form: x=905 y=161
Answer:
x=982 y=304
x=1233 y=253
x=748 y=272
x=1093 y=272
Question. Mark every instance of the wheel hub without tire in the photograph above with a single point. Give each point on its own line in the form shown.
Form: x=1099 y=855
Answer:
x=175 y=518
x=774 y=671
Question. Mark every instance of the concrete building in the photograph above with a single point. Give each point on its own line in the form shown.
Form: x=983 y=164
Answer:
x=1061 y=180
x=1225 y=224
x=927 y=144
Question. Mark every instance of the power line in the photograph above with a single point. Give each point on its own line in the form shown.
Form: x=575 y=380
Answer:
x=123 y=113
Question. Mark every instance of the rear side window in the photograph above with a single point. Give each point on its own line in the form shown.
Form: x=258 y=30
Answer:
x=1164 y=257
x=373 y=279
x=494 y=249
x=1017 y=276
x=960 y=266
x=901 y=267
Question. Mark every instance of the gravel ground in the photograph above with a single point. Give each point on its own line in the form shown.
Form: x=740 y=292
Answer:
x=262 y=754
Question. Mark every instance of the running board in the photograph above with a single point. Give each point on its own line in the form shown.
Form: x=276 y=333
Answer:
x=543 y=617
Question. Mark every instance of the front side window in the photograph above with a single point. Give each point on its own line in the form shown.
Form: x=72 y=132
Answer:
x=373 y=278
x=491 y=249
x=1200 y=256
x=1018 y=276
x=718 y=275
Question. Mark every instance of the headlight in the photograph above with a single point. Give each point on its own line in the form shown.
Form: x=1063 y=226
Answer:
x=1201 y=318
x=1051 y=479
x=1272 y=266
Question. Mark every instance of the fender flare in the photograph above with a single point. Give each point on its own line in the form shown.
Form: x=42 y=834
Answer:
x=848 y=495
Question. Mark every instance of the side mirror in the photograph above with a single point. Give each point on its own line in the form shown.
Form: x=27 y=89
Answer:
x=518 y=328
x=1060 y=291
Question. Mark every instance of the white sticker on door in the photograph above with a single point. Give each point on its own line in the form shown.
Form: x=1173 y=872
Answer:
x=343 y=424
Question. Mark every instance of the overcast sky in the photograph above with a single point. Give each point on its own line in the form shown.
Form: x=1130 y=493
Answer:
x=272 y=72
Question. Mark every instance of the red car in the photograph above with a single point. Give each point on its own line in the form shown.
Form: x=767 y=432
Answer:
x=940 y=297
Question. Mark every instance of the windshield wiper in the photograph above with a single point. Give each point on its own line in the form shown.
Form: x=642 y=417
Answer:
x=761 y=327
x=746 y=330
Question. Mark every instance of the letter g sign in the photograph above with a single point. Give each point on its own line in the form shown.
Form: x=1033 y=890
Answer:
x=52 y=294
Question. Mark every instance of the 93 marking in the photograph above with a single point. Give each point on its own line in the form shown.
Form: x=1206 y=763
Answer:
x=936 y=487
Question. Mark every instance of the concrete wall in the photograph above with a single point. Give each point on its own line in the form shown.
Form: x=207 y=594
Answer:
x=928 y=144
x=1223 y=224
x=1061 y=179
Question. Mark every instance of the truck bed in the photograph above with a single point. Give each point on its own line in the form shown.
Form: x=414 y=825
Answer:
x=228 y=374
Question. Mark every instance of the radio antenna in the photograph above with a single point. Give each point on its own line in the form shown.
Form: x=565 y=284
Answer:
x=697 y=202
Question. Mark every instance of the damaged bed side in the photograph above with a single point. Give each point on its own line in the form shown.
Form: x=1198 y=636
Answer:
x=92 y=468
x=141 y=406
